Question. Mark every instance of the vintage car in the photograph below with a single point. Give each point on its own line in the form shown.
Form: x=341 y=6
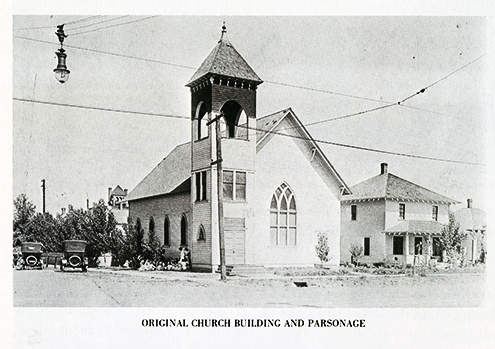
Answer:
x=74 y=255
x=31 y=255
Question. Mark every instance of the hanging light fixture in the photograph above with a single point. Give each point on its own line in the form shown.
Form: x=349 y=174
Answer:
x=61 y=72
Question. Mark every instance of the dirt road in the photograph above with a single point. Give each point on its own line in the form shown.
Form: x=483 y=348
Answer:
x=103 y=288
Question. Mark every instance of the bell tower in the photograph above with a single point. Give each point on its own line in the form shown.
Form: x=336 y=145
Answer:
x=224 y=83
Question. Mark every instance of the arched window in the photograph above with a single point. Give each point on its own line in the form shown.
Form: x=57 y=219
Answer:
x=283 y=217
x=183 y=230
x=151 y=226
x=138 y=225
x=202 y=120
x=236 y=121
x=166 y=231
x=201 y=233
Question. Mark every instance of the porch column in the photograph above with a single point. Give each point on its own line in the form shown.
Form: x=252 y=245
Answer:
x=406 y=241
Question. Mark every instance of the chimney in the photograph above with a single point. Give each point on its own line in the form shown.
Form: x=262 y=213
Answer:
x=63 y=211
x=383 y=167
x=125 y=192
x=469 y=203
x=109 y=193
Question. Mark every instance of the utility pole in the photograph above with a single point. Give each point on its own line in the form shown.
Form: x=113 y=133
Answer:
x=218 y=162
x=43 y=186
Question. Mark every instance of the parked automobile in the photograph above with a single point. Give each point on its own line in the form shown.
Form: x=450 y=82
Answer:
x=74 y=255
x=31 y=255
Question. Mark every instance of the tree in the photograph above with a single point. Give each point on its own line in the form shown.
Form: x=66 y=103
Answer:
x=24 y=211
x=322 y=248
x=356 y=251
x=451 y=239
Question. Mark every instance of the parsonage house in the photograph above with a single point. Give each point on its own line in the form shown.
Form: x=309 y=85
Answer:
x=279 y=188
x=391 y=219
x=472 y=222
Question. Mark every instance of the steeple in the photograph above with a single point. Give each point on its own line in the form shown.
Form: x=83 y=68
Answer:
x=225 y=62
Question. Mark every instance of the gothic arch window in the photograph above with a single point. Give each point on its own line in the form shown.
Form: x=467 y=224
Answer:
x=201 y=121
x=283 y=217
x=166 y=231
x=201 y=233
x=234 y=122
x=138 y=225
x=183 y=230
x=151 y=226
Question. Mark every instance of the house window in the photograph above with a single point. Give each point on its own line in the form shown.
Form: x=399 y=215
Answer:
x=434 y=213
x=183 y=230
x=201 y=233
x=398 y=242
x=283 y=217
x=402 y=211
x=166 y=231
x=234 y=185
x=201 y=186
x=418 y=245
x=353 y=212
x=366 y=246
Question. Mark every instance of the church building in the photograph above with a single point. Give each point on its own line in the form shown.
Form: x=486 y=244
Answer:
x=279 y=189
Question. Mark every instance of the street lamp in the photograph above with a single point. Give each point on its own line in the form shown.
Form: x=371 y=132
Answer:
x=61 y=72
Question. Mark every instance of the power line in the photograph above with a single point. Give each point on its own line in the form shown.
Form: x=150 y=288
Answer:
x=346 y=95
x=100 y=109
x=96 y=23
x=195 y=68
x=108 y=53
x=261 y=130
x=116 y=25
x=362 y=148
x=82 y=19
x=400 y=103
x=52 y=26
x=397 y=103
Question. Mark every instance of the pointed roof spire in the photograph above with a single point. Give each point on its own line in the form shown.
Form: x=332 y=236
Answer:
x=224 y=60
x=224 y=31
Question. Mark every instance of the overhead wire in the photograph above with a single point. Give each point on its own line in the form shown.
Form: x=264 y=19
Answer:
x=96 y=23
x=53 y=26
x=115 y=25
x=396 y=103
x=195 y=68
x=257 y=129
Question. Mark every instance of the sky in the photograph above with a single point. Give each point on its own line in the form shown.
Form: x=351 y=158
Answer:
x=340 y=65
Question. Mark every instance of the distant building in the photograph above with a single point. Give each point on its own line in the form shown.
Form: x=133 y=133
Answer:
x=390 y=218
x=279 y=192
x=472 y=221
x=118 y=205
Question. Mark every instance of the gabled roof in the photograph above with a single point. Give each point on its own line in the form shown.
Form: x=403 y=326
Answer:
x=417 y=227
x=471 y=219
x=269 y=125
x=167 y=176
x=118 y=191
x=389 y=186
x=226 y=61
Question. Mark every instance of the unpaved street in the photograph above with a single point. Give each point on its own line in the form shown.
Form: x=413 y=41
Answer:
x=104 y=288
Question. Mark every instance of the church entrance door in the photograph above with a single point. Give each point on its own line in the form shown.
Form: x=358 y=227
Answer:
x=235 y=236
